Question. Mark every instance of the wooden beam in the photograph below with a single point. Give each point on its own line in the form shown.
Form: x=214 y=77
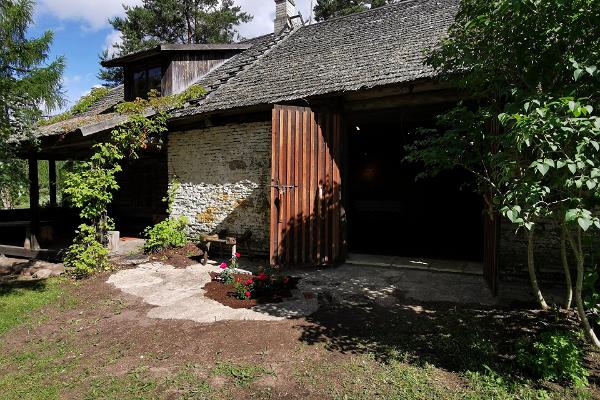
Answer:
x=34 y=204
x=52 y=182
x=408 y=100
x=15 y=251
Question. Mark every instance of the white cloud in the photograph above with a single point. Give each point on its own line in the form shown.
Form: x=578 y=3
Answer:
x=93 y=14
x=264 y=14
x=71 y=80
x=111 y=40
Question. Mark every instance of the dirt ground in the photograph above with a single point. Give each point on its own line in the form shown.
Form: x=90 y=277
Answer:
x=96 y=335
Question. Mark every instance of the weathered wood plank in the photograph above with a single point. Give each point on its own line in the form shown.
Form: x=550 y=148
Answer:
x=15 y=251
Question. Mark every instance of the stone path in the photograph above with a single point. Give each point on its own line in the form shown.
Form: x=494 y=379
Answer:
x=178 y=294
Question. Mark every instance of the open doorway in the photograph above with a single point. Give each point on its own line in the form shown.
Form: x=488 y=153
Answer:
x=391 y=213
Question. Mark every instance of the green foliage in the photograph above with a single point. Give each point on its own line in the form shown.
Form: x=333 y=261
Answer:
x=28 y=79
x=167 y=234
x=82 y=105
x=87 y=254
x=554 y=357
x=242 y=290
x=531 y=73
x=173 y=21
x=227 y=270
x=112 y=77
x=20 y=299
x=327 y=9
x=174 y=186
x=242 y=374
x=91 y=185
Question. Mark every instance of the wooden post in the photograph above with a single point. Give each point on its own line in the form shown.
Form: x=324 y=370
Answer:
x=52 y=182
x=31 y=241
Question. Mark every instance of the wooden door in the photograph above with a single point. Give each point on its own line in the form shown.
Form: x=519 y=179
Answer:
x=306 y=223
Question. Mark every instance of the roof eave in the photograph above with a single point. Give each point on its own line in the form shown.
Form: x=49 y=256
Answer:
x=164 y=48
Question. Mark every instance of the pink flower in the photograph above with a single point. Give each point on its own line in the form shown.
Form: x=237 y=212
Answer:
x=223 y=266
x=249 y=282
x=248 y=294
x=237 y=255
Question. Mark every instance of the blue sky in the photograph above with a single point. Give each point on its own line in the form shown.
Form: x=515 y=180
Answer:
x=82 y=31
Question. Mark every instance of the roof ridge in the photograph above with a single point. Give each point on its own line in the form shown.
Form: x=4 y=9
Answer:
x=270 y=46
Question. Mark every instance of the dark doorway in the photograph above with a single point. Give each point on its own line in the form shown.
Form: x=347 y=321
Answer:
x=391 y=213
x=140 y=200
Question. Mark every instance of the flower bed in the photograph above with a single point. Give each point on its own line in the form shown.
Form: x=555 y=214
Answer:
x=238 y=290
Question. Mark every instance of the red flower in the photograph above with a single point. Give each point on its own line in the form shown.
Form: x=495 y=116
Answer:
x=262 y=276
x=248 y=294
x=223 y=266
x=249 y=282
x=285 y=281
x=237 y=255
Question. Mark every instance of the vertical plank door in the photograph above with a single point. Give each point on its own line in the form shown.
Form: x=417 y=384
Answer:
x=306 y=226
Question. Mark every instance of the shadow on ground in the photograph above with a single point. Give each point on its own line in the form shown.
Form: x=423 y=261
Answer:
x=456 y=338
x=10 y=284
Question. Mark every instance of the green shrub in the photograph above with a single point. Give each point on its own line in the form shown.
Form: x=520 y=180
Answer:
x=86 y=255
x=167 y=234
x=556 y=357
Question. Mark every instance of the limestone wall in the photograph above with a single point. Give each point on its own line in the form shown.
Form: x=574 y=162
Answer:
x=224 y=175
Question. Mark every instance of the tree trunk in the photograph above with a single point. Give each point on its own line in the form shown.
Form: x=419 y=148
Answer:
x=578 y=251
x=565 y=262
x=532 y=276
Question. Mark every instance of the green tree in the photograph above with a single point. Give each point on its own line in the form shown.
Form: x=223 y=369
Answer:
x=520 y=62
x=27 y=81
x=326 y=9
x=173 y=21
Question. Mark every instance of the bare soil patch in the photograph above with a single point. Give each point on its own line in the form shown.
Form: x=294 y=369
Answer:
x=181 y=257
x=226 y=294
x=99 y=338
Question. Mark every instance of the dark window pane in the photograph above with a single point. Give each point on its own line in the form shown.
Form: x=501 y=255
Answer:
x=154 y=78
x=139 y=84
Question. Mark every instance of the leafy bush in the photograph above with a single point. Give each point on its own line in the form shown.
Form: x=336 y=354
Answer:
x=166 y=234
x=86 y=255
x=554 y=357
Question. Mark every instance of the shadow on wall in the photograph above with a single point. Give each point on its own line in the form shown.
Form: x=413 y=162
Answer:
x=310 y=225
x=227 y=210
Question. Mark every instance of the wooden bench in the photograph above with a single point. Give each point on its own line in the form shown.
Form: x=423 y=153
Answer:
x=224 y=239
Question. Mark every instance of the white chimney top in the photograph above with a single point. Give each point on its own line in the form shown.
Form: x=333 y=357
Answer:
x=286 y=14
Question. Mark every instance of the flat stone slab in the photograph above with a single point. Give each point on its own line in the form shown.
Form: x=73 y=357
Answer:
x=178 y=294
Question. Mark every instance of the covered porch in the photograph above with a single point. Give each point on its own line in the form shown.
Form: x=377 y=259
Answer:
x=46 y=228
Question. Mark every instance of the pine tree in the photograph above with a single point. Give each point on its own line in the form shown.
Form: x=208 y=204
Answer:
x=173 y=21
x=29 y=84
x=326 y=9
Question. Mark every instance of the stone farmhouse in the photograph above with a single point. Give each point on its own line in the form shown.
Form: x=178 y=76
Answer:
x=300 y=140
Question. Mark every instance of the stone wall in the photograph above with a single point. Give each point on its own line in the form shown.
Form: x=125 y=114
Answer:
x=224 y=175
x=513 y=250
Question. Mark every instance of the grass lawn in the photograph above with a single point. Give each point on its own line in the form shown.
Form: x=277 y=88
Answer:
x=89 y=341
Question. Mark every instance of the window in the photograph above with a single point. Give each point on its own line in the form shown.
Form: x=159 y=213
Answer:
x=145 y=80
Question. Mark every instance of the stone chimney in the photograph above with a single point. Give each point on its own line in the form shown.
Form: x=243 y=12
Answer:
x=284 y=11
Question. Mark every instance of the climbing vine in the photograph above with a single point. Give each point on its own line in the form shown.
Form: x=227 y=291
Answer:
x=83 y=105
x=91 y=185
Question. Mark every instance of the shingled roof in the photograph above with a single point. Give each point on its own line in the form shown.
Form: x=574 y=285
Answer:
x=99 y=113
x=361 y=51
x=375 y=48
